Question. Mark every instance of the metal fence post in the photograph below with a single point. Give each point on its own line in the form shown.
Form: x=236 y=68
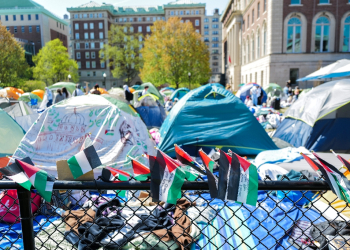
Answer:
x=25 y=207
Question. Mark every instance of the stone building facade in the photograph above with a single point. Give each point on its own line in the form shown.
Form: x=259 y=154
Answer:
x=278 y=40
x=91 y=22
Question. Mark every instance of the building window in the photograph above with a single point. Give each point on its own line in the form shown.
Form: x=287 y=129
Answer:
x=294 y=35
x=206 y=33
x=265 y=41
x=88 y=73
x=131 y=19
x=197 y=12
x=324 y=1
x=197 y=22
x=88 y=65
x=215 y=39
x=215 y=45
x=346 y=41
x=215 y=26
x=22 y=18
x=293 y=75
x=258 y=10
x=215 y=64
x=322 y=34
x=101 y=35
x=181 y=13
x=132 y=29
x=93 y=64
x=92 y=45
x=262 y=78
x=206 y=26
x=148 y=29
x=120 y=20
x=293 y=2
x=77 y=45
x=14 y=17
x=91 y=15
x=92 y=35
x=125 y=19
x=22 y=29
x=206 y=20
x=171 y=13
x=140 y=38
x=258 y=44
x=86 y=26
x=38 y=29
x=101 y=45
x=100 y=15
x=15 y=29
x=79 y=65
x=102 y=65
x=140 y=29
x=140 y=19
x=148 y=19
x=252 y=16
x=100 y=25
x=215 y=20
x=29 y=17
x=93 y=73
x=248 y=21
x=76 y=26
x=86 y=45
x=78 y=55
x=6 y=17
x=76 y=16
x=265 y=3
x=248 y=51
x=85 y=15
x=253 y=48
x=197 y=30
x=91 y=26
x=30 y=29
x=188 y=12
x=36 y=17
x=206 y=39
x=86 y=35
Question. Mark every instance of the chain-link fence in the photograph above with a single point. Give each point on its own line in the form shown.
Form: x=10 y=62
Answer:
x=298 y=214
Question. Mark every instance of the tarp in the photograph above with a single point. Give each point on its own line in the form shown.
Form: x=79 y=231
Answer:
x=324 y=72
x=213 y=117
x=59 y=133
x=319 y=120
x=11 y=134
x=179 y=93
x=244 y=91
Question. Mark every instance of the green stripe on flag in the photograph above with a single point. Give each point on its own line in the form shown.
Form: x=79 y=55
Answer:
x=211 y=166
x=175 y=188
x=27 y=184
x=253 y=186
x=40 y=185
x=75 y=167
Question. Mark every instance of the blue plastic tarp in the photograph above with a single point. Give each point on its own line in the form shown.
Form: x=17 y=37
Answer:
x=213 y=117
x=153 y=116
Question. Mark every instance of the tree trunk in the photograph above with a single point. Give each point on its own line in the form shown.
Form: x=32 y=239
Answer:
x=177 y=85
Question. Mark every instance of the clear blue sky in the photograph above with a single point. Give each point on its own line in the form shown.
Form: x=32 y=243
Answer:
x=59 y=7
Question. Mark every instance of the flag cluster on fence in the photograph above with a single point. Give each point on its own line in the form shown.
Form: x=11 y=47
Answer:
x=26 y=174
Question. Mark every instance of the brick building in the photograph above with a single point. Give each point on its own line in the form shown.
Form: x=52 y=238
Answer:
x=90 y=24
x=31 y=24
x=278 y=40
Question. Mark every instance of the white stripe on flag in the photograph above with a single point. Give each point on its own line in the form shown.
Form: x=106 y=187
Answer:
x=19 y=178
x=49 y=186
x=243 y=187
x=228 y=180
x=32 y=179
x=335 y=185
x=83 y=162
x=165 y=185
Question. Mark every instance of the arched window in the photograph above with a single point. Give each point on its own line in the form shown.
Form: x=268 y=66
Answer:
x=265 y=41
x=258 y=44
x=346 y=39
x=322 y=34
x=253 y=48
x=248 y=51
x=294 y=35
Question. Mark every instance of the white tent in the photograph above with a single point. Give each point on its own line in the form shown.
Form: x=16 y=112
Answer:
x=325 y=72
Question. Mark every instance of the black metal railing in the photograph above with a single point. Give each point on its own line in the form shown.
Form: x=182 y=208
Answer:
x=285 y=214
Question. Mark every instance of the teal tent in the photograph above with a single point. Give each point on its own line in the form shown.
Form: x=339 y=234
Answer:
x=153 y=90
x=210 y=117
x=217 y=85
x=11 y=134
x=179 y=93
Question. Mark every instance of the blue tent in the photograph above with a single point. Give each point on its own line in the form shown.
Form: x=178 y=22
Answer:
x=179 y=93
x=319 y=120
x=244 y=91
x=151 y=111
x=210 y=117
x=217 y=85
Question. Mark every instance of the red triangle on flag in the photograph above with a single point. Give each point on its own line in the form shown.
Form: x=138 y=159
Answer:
x=30 y=170
x=169 y=162
x=229 y=158
x=244 y=163
x=139 y=168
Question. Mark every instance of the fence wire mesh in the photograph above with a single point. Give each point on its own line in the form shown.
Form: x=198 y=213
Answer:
x=97 y=215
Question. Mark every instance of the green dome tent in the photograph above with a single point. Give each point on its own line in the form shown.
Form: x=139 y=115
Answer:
x=211 y=117
x=153 y=90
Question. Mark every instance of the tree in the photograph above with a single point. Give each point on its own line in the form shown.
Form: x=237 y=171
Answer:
x=122 y=52
x=13 y=65
x=172 y=51
x=52 y=64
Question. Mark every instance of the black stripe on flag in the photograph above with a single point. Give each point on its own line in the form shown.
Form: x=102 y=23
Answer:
x=234 y=179
x=11 y=170
x=107 y=175
x=213 y=190
x=186 y=162
x=157 y=167
x=92 y=157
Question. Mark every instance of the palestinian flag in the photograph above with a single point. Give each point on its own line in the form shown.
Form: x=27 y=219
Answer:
x=167 y=178
x=340 y=183
x=327 y=174
x=238 y=179
x=40 y=180
x=212 y=180
x=112 y=174
x=16 y=173
x=184 y=158
x=346 y=164
x=248 y=184
x=87 y=142
x=141 y=172
x=84 y=162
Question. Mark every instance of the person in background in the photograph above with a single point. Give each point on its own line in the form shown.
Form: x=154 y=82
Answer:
x=144 y=92
x=288 y=84
x=48 y=94
x=77 y=91
x=168 y=105
x=290 y=91
x=96 y=91
x=175 y=101
x=286 y=90
x=254 y=95
x=65 y=93
x=59 y=97
x=260 y=95
x=128 y=95
x=250 y=102
x=296 y=92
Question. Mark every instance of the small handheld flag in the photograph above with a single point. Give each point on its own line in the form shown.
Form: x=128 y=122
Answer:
x=141 y=172
x=16 y=173
x=342 y=160
x=212 y=180
x=186 y=159
x=84 y=162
